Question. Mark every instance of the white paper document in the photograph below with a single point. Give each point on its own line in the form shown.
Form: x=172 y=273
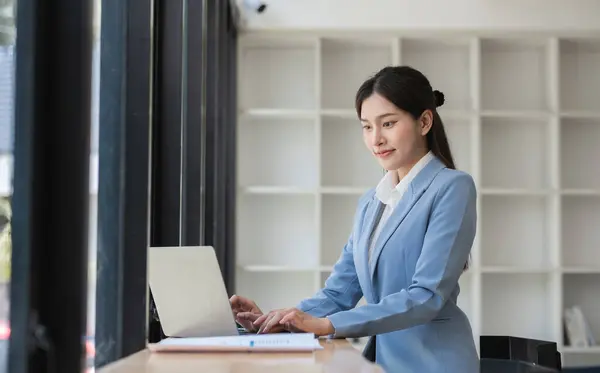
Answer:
x=280 y=342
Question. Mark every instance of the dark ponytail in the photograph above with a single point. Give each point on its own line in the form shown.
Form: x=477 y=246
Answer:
x=410 y=90
x=437 y=141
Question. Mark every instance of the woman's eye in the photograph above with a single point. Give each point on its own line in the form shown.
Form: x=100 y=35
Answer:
x=366 y=127
x=388 y=124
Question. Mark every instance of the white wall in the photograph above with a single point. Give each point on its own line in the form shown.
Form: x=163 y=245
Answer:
x=564 y=16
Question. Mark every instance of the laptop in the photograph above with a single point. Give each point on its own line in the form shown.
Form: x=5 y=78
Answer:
x=189 y=292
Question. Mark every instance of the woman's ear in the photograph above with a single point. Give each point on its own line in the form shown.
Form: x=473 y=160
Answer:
x=425 y=122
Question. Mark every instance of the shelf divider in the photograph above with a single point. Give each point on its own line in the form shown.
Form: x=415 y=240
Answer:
x=554 y=221
x=475 y=91
x=579 y=78
x=318 y=164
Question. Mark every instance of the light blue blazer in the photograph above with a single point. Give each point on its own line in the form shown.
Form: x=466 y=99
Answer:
x=411 y=285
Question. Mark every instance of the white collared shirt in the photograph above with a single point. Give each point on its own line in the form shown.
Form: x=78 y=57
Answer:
x=390 y=195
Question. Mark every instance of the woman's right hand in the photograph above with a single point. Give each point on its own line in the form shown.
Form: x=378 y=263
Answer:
x=245 y=311
x=269 y=323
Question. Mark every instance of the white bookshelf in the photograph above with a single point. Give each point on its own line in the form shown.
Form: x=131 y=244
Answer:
x=523 y=118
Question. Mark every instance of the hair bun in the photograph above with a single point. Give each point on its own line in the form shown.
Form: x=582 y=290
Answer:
x=438 y=98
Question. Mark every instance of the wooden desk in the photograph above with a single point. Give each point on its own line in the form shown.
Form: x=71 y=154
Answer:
x=337 y=356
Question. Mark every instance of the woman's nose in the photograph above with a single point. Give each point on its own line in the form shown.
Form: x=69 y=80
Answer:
x=377 y=139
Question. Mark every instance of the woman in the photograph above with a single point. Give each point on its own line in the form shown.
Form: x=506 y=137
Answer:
x=410 y=243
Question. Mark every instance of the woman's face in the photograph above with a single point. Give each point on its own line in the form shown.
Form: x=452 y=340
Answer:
x=391 y=134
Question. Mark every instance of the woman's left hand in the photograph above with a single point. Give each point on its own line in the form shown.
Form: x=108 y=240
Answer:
x=299 y=320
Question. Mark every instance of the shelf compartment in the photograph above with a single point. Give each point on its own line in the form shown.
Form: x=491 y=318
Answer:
x=274 y=290
x=505 y=62
x=578 y=142
x=278 y=76
x=466 y=298
x=277 y=230
x=580 y=234
x=519 y=305
x=582 y=290
x=515 y=153
x=579 y=78
x=460 y=138
x=514 y=231
x=346 y=64
x=452 y=77
x=337 y=216
x=346 y=161
x=277 y=153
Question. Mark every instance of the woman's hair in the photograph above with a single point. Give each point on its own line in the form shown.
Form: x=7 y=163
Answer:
x=410 y=90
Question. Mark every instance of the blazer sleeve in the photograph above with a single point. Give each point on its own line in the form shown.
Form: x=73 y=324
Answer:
x=342 y=290
x=446 y=247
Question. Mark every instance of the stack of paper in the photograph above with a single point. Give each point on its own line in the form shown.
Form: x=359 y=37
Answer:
x=285 y=342
x=578 y=329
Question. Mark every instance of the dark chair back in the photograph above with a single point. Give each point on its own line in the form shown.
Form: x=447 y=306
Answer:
x=530 y=351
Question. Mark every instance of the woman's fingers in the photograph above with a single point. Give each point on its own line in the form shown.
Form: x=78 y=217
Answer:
x=248 y=316
x=246 y=325
x=293 y=321
x=289 y=317
x=242 y=304
x=270 y=322
x=246 y=319
x=261 y=319
x=235 y=302
x=265 y=322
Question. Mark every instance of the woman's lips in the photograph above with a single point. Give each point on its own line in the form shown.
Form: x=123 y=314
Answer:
x=384 y=153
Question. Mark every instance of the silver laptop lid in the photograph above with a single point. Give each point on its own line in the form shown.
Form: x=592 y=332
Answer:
x=189 y=292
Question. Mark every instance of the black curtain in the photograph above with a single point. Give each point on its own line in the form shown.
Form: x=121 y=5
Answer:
x=193 y=165
x=51 y=186
x=220 y=158
x=123 y=151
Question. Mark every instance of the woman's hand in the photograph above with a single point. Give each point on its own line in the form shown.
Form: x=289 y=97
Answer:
x=269 y=322
x=307 y=323
x=293 y=319
x=245 y=311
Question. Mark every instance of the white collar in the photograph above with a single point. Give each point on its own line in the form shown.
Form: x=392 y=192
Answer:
x=387 y=193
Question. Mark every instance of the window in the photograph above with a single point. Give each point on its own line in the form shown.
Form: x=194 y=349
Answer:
x=7 y=42
x=93 y=201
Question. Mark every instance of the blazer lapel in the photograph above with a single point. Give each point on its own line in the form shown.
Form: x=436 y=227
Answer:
x=372 y=214
x=412 y=195
x=402 y=209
